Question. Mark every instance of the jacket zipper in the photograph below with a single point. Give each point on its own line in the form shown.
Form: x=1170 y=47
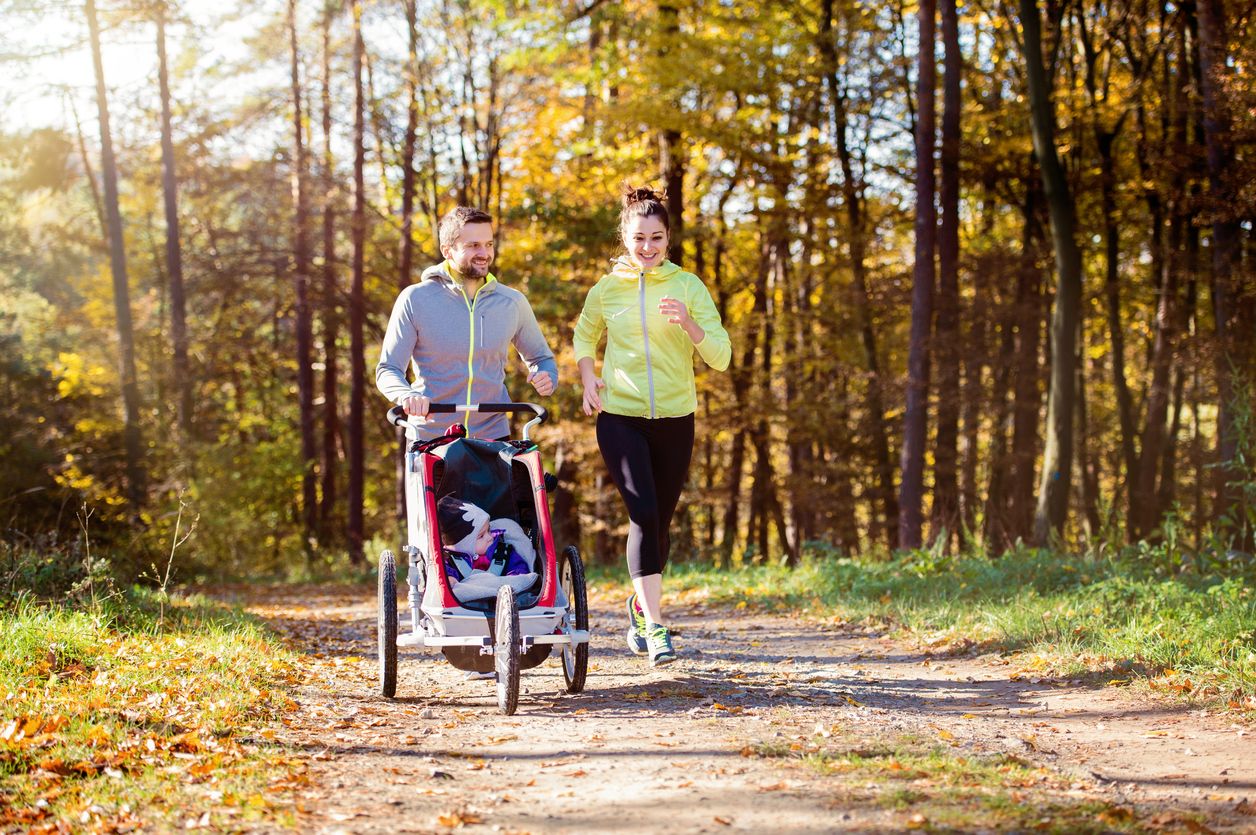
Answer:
x=645 y=335
x=466 y=420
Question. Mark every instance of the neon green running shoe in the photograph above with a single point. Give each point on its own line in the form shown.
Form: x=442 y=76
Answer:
x=636 y=627
x=659 y=640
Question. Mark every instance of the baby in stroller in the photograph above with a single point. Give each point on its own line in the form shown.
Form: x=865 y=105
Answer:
x=482 y=554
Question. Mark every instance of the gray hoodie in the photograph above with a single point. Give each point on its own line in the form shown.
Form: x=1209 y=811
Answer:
x=448 y=336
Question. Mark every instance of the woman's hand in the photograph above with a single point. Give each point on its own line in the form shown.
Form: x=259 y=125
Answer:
x=592 y=400
x=678 y=314
x=675 y=311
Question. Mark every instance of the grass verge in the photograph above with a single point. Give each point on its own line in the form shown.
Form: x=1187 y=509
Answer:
x=141 y=713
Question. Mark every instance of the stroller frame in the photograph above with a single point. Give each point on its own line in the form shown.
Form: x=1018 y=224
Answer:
x=512 y=633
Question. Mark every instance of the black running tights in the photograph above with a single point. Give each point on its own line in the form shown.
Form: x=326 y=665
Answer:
x=648 y=459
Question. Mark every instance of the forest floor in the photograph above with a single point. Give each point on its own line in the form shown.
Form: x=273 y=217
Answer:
x=767 y=723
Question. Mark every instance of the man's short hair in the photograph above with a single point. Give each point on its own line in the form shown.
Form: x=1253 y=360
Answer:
x=451 y=224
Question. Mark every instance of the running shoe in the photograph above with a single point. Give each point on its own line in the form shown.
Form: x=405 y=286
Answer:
x=636 y=627
x=659 y=640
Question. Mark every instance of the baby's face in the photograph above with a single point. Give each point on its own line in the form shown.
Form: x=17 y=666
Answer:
x=483 y=538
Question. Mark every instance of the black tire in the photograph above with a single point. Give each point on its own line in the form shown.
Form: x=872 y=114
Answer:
x=386 y=628
x=575 y=656
x=506 y=650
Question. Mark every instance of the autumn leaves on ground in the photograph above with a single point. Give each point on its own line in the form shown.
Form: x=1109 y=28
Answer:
x=199 y=715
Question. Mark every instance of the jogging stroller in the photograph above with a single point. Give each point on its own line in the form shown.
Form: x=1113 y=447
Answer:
x=517 y=629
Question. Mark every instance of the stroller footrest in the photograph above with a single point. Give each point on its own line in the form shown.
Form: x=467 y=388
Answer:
x=576 y=636
x=416 y=640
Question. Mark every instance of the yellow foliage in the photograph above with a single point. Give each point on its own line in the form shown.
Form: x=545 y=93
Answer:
x=77 y=377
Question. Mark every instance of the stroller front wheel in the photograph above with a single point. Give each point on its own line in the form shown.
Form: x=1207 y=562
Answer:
x=386 y=627
x=506 y=650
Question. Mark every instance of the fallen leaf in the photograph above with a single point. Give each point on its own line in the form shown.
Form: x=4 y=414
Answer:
x=1116 y=814
x=723 y=821
x=458 y=818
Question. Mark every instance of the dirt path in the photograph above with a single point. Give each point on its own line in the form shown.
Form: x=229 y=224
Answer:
x=767 y=724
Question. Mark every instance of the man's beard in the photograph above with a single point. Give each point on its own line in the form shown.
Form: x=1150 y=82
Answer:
x=470 y=269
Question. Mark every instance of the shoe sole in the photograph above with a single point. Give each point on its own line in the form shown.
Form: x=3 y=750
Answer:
x=660 y=662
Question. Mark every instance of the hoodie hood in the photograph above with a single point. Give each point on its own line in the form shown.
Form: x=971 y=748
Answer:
x=623 y=267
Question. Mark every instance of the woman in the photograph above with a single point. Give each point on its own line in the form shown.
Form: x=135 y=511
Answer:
x=655 y=317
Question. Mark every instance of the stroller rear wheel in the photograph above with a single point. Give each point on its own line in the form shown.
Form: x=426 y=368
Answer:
x=506 y=650
x=386 y=628
x=575 y=656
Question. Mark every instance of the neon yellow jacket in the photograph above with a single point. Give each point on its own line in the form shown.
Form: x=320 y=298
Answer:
x=648 y=367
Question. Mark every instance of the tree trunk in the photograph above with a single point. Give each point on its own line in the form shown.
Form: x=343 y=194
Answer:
x=1090 y=479
x=136 y=486
x=1015 y=385
x=975 y=361
x=357 y=370
x=915 y=420
x=878 y=438
x=1225 y=244
x=671 y=159
x=1027 y=405
x=174 y=254
x=1057 y=462
x=732 y=496
x=743 y=375
x=1166 y=492
x=945 y=509
x=1112 y=286
x=301 y=280
x=331 y=299
x=406 y=256
x=1143 y=511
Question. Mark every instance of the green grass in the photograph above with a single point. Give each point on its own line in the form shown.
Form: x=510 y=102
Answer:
x=1071 y=615
x=140 y=712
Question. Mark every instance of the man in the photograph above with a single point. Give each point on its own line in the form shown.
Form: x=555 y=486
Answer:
x=457 y=325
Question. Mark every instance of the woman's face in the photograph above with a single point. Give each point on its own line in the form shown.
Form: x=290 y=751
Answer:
x=646 y=241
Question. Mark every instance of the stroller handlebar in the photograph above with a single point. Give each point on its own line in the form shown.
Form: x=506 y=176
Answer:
x=397 y=415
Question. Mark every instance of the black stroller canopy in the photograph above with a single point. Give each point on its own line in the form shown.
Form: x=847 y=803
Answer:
x=479 y=472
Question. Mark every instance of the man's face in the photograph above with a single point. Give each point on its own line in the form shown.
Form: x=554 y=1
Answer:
x=471 y=253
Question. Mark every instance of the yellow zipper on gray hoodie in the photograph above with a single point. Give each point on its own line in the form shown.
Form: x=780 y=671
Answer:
x=470 y=346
